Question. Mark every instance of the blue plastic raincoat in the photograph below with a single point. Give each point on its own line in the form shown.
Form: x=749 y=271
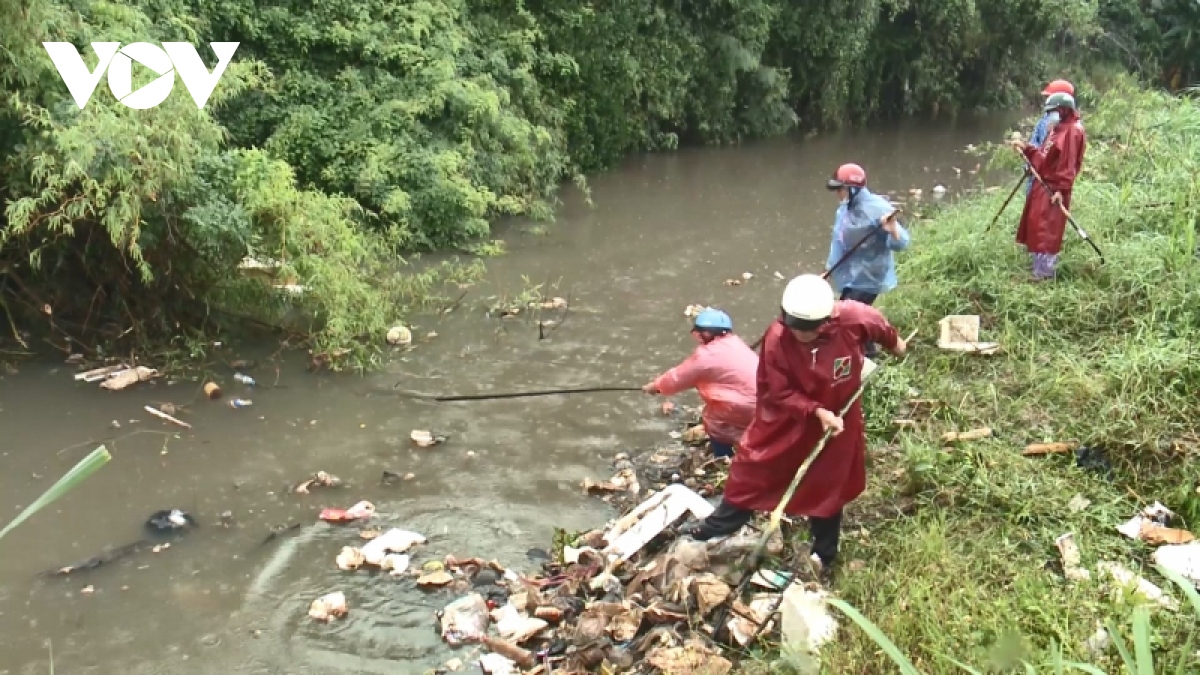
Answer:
x=1040 y=133
x=872 y=268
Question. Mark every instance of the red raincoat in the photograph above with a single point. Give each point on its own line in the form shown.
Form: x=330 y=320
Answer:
x=1058 y=162
x=722 y=371
x=794 y=380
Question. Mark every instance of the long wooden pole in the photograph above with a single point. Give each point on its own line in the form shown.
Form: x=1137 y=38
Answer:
x=845 y=256
x=1070 y=219
x=527 y=394
x=777 y=514
x=1004 y=206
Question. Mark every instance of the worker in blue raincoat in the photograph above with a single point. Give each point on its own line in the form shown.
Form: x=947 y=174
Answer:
x=863 y=216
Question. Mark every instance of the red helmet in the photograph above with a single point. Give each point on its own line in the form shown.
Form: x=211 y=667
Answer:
x=1059 y=87
x=847 y=175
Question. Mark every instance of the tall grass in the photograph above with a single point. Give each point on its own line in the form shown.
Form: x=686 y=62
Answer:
x=955 y=547
x=1140 y=661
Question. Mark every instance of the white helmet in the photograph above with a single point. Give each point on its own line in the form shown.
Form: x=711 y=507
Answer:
x=808 y=297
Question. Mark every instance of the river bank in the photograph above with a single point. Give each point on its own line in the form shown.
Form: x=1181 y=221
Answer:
x=334 y=151
x=951 y=546
x=666 y=231
x=1104 y=357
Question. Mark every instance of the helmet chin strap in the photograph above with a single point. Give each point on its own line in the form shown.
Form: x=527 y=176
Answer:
x=853 y=192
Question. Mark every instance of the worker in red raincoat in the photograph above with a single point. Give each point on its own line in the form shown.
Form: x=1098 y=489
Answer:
x=722 y=369
x=809 y=368
x=1058 y=161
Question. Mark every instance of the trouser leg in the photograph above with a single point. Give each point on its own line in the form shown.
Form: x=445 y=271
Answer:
x=1044 y=265
x=826 y=533
x=723 y=521
x=720 y=449
x=871 y=348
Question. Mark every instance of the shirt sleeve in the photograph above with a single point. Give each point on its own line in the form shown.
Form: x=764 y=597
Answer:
x=683 y=376
x=836 y=248
x=1039 y=132
x=877 y=208
x=876 y=327
x=899 y=242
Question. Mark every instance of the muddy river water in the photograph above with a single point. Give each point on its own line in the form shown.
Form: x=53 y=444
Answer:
x=666 y=232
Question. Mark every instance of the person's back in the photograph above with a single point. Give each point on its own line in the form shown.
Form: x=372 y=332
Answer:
x=727 y=386
x=723 y=369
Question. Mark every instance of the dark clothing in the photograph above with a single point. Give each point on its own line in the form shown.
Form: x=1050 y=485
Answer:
x=826 y=535
x=723 y=521
x=720 y=449
x=864 y=298
x=727 y=519
x=872 y=349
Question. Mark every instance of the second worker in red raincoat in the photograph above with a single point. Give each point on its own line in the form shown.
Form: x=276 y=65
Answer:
x=810 y=367
x=1058 y=161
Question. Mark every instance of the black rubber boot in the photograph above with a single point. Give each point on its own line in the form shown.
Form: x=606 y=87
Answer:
x=724 y=521
x=826 y=533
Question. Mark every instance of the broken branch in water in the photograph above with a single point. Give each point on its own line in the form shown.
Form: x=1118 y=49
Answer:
x=456 y=304
x=542 y=333
x=165 y=416
x=11 y=324
x=113 y=441
x=95 y=561
x=279 y=532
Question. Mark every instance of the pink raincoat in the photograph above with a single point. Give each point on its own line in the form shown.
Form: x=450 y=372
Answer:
x=724 y=372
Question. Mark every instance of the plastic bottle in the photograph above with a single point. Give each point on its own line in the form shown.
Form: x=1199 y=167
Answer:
x=240 y=403
x=244 y=379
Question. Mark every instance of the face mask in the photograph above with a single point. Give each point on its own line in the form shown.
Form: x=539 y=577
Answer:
x=1054 y=117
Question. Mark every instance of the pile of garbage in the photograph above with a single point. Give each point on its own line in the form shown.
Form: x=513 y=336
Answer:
x=685 y=460
x=631 y=597
x=1176 y=550
x=634 y=597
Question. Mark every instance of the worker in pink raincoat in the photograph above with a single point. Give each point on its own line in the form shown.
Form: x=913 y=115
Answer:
x=722 y=369
x=810 y=368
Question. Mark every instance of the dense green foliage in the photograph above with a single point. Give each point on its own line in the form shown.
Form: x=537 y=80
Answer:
x=348 y=133
x=958 y=544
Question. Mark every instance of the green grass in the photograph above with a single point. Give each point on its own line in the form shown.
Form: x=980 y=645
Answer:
x=1104 y=356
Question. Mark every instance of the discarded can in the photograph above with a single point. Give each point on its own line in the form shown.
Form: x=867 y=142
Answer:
x=240 y=403
x=244 y=379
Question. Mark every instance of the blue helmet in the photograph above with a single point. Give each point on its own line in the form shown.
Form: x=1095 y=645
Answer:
x=714 y=320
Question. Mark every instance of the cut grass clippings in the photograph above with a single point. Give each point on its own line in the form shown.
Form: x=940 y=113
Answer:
x=1105 y=356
